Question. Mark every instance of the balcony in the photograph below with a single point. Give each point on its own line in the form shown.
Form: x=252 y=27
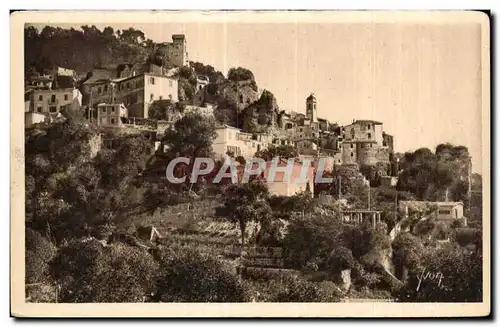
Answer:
x=51 y=102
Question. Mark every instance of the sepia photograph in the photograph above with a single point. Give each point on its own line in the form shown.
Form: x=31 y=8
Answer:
x=250 y=164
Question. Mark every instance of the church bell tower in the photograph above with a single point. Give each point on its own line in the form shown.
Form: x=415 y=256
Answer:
x=311 y=108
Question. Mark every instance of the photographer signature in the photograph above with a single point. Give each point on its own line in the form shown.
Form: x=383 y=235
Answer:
x=431 y=276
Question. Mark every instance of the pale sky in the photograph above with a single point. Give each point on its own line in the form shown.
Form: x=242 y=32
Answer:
x=423 y=81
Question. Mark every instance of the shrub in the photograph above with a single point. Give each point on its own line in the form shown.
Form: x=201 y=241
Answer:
x=466 y=236
x=189 y=276
x=296 y=289
x=88 y=271
x=458 y=223
x=340 y=259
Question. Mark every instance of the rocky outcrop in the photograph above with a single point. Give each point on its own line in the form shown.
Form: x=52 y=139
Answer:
x=230 y=94
x=261 y=115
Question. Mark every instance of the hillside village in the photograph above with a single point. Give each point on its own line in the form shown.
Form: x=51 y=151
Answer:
x=120 y=97
x=130 y=116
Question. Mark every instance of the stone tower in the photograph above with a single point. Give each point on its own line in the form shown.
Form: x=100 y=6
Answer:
x=311 y=112
x=180 y=56
x=174 y=53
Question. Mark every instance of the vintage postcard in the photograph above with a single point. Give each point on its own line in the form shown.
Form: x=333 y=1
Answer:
x=250 y=164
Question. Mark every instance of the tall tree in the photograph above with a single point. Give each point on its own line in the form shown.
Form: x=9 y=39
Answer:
x=247 y=202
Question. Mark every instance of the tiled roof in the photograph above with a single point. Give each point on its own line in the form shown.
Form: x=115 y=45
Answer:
x=367 y=121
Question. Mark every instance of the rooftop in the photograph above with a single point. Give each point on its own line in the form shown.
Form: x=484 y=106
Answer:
x=363 y=121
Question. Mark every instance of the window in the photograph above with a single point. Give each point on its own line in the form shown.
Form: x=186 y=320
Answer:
x=99 y=90
x=241 y=98
x=170 y=84
x=161 y=97
x=112 y=109
x=369 y=135
x=444 y=212
x=128 y=85
x=151 y=97
x=105 y=88
x=104 y=110
x=152 y=80
x=112 y=120
x=53 y=109
x=371 y=145
x=368 y=126
x=40 y=97
x=53 y=98
x=300 y=130
x=65 y=97
x=352 y=154
x=39 y=109
x=352 y=145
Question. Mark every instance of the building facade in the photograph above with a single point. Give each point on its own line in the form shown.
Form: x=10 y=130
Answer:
x=136 y=92
x=111 y=114
x=232 y=141
x=445 y=211
x=282 y=186
x=51 y=101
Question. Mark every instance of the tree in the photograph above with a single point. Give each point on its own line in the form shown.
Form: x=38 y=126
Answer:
x=207 y=70
x=162 y=109
x=240 y=74
x=451 y=274
x=312 y=238
x=247 y=202
x=469 y=236
x=407 y=254
x=82 y=49
x=431 y=175
x=192 y=137
x=190 y=276
x=39 y=254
